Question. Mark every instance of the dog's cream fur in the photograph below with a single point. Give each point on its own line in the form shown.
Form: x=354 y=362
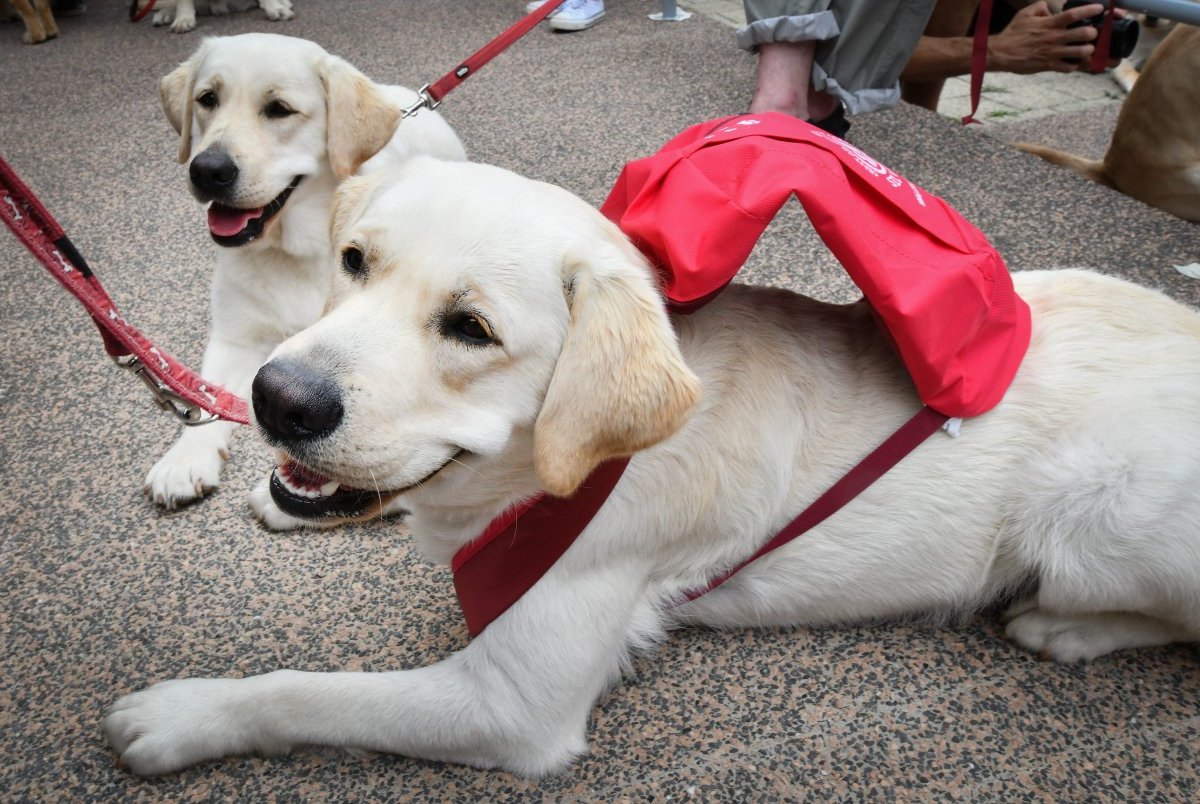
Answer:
x=270 y=289
x=1154 y=155
x=1081 y=490
x=181 y=14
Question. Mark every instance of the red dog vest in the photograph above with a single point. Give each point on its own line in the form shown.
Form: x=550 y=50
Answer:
x=696 y=209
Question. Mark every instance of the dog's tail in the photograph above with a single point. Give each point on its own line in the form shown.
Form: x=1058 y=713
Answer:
x=1088 y=168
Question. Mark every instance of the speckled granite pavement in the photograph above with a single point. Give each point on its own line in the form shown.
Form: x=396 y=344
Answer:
x=102 y=594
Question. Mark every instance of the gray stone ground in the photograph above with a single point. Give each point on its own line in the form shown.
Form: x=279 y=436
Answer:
x=102 y=594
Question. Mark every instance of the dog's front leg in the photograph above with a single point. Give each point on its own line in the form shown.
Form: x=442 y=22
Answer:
x=192 y=466
x=185 y=16
x=518 y=697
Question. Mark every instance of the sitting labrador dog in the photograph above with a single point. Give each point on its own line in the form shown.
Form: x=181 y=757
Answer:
x=492 y=337
x=1154 y=155
x=269 y=125
x=181 y=14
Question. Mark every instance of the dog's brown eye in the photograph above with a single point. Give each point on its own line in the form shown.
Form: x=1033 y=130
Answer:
x=470 y=328
x=277 y=109
x=353 y=262
x=207 y=99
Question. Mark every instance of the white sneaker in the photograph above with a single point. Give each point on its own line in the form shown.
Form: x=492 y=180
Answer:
x=575 y=15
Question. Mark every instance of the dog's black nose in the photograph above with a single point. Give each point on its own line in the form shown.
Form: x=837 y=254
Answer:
x=213 y=171
x=294 y=402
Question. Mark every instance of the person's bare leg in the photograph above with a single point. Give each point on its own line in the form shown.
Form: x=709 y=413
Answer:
x=785 y=82
x=949 y=18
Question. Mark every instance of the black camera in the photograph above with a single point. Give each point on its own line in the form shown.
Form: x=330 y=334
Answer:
x=1124 y=31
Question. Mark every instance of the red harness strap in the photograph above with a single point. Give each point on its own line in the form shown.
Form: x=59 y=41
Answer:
x=176 y=388
x=518 y=547
x=696 y=209
x=522 y=544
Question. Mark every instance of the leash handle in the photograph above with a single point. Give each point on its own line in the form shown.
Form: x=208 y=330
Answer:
x=176 y=388
x=431 y=95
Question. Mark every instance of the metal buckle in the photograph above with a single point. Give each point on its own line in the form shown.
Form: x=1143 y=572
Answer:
x=424 y=101
x=191 y=415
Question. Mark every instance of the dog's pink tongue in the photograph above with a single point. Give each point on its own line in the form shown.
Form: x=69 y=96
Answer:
x=226 y=221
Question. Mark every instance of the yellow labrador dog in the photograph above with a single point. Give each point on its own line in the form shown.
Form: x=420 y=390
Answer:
x=269 y=125
x=1154 y=155
x=491 y=337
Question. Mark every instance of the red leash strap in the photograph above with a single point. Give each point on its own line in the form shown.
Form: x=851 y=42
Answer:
x=912 y=434
x=1099 y=61
x=518 y=547
x=432 y=94
x=176 y=388
x=979 y=57
x=138 y=16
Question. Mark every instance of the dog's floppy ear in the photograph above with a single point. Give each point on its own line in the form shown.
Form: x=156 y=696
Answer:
x=620 y=383
x=175 y=91
x=359 y=117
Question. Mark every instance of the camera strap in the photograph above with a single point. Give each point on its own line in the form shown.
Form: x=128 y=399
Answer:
x=1103 y=40
x=979 y=50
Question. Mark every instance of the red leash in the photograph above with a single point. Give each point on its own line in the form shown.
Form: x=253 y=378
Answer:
x=979 y=53
x=176 y=388
x=138 y=16
x=431 y=94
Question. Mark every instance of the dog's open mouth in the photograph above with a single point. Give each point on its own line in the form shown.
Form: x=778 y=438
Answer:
x=232 y=226
x=307 y=494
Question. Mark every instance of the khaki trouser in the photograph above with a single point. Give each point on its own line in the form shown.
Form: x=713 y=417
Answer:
x=862 y=45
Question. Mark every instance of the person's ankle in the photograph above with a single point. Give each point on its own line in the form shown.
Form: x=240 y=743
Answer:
x=821 y=105
x=792 y=104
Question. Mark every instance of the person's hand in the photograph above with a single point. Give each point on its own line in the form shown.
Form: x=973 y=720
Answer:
x=1038 y=40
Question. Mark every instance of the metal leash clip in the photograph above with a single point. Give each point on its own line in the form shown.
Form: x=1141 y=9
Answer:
x=191 y=415
x=424 y=101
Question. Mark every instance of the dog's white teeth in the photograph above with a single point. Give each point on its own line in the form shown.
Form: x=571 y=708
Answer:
x=330 y=488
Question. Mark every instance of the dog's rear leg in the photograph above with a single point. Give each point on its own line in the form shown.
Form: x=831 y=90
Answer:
x=518 y=697
x=1083 y=637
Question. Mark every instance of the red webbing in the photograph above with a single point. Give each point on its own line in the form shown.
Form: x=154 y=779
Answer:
x=911 y=434
x=37 y=230
x=979 y=56
x=492 y=572
x=439 y=88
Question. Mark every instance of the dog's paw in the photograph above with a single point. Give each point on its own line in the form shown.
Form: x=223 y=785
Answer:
x=187 y=472
x=277 y=9
x=184 y=23
x=1083 y=637
x=179 y=723
x=164 y=17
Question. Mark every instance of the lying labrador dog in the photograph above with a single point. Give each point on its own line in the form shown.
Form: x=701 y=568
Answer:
x=181 y=14
x=491 y=337
x=1154 y=155
x=269 y=126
